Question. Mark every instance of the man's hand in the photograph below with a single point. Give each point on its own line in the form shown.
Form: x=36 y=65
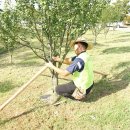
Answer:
x=78 y=95
x=56 y=58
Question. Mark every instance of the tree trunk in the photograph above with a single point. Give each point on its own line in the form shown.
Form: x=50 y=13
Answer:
x=11 y=58
x=94 y=31
x=95 y=39
x=54 y=80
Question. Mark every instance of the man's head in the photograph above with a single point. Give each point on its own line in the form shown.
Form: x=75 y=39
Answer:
x=81 y=45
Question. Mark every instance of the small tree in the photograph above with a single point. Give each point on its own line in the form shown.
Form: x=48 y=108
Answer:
x=8 y=31
x=54 y=24
x=98 y=25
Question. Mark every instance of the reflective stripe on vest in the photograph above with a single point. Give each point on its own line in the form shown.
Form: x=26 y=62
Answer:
x=84 y=79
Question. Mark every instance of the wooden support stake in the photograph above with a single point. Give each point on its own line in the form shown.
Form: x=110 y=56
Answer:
x=22 y=88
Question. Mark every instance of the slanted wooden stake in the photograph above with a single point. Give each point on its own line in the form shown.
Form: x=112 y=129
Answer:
x=22 y=88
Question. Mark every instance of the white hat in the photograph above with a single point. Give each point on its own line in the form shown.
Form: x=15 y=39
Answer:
x=83 y=39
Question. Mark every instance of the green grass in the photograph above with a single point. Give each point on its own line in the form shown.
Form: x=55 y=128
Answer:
x=107 y=107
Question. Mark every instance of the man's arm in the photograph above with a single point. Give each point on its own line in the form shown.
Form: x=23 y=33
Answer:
x=67 y=61
x=58 y=70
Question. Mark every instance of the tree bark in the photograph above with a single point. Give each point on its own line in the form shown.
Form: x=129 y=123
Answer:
x=54 y=80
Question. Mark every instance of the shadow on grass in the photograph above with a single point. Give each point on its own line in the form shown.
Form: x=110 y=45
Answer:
x=4 y=65
x=106 y=87
x=21 y=64
x=3 y=51
x=28 y=63
x=122 y=64
x=3 y=122
x=6 y=86
x=100 y=44
x=117 y=50
x=120 y=40
x=26 y=59
x=125 y=35
x=26 y=56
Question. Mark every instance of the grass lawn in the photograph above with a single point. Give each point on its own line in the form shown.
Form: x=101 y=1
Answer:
x=107 y=107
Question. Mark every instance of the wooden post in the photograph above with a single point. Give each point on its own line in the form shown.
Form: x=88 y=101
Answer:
x=22 y=88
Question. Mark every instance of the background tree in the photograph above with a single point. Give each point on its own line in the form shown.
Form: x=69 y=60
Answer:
x=8 y=29
x=109 y=14
x=120 y=9
x=97 y=23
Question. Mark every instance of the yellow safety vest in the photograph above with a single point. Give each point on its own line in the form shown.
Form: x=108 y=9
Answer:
x=84 y=79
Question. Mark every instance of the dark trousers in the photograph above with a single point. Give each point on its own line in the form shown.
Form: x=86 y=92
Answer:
x=68 y=89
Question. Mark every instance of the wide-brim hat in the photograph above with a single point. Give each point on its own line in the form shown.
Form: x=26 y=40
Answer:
x=84 y=40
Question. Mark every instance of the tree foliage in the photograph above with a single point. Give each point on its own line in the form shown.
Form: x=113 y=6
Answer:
x=116 y=11
x=53 y=23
